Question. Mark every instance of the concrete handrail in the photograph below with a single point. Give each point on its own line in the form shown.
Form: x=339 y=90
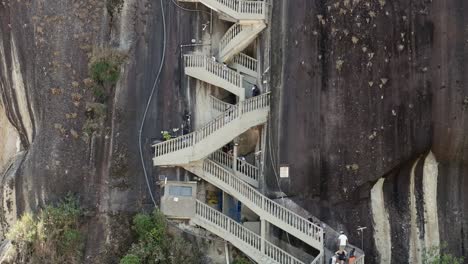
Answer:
x=247 y=169
x=243 y=234
x=252 y=7
x=246 y=61
x=222 y=158
x=319 y=259
x=360 y=260
x=257 y=201
x=242 y=167
x=230 y=34
x=243 y=7
x=225 y=118
x=216 y=68
x=219 y=105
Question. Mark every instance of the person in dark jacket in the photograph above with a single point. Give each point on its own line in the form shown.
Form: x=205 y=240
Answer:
x=255 y=91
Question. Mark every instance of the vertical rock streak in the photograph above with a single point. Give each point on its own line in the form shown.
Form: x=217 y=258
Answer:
x=380 y=217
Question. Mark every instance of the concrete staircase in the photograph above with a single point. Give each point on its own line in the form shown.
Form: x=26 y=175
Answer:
x=245 y=240
x=245 y=64
x=237 y=10
x=245 y=171
x=266 y=208
x=198 y=152
x=237 y=38
x=206 y=69
x=214 y=135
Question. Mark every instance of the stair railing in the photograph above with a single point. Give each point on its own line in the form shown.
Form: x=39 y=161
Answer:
x=213 y=67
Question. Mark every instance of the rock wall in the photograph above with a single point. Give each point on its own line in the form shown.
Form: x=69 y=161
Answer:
x=363 y=91
x=45 y=48
x=370 y=109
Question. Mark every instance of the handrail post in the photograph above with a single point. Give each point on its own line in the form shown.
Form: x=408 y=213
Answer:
x=234 y=156
x=263 y=224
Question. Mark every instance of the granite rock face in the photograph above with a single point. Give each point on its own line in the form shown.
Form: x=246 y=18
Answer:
x=370 y=113
x=364 y=91
x=45 y=49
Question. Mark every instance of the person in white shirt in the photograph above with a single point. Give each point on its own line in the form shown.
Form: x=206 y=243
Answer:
x=342 y=240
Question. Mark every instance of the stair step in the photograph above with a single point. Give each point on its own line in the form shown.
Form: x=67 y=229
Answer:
x=266 y=208
x=245 y=64
x=253 y=245
x=213 y=136
x=237 y=38
x=206 y=69
x=239 y=9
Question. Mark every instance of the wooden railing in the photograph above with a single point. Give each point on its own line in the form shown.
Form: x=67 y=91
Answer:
x=246 y=61
x=243 y=234
x=236 y=111
x=251 y=197
x=219 y=105
x=213 y=67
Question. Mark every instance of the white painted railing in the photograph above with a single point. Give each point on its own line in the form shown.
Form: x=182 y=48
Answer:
x=244 y=7
x=244 y=192
x=231 y=34
x=243 y=234
x=319 y=259
x=246 y=61
x=236 y=111
x=219 y=105
x=213 y=67
x=222 y=158
x=255 y=103
x=247 y=169
x=242 y=167
x=252 y=7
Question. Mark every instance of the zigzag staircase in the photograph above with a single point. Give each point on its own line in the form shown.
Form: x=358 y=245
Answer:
x=214 y=135
x=205 y=69
x=266 y=208
x=237 y=38
x=247 y=241
x=198 y=152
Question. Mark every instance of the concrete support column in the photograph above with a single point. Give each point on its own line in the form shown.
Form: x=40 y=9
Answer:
x=261 y=158
x=234 y=156
x=263 y=232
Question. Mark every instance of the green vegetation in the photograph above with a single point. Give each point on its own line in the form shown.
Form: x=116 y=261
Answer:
x=104 y=69
x=434 y=255
x=50 y=236
x=241 y=260
x=156 y=245
x=166 y=135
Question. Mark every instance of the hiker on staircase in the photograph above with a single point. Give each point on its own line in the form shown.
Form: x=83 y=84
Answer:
x=255 y=91
x=342 y=241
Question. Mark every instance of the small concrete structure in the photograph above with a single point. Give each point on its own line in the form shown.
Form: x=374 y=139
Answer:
x=178 y=199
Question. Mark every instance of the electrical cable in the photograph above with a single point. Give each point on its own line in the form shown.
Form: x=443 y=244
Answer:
x=188 y=9
x=153 y=89
x=150 y=98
